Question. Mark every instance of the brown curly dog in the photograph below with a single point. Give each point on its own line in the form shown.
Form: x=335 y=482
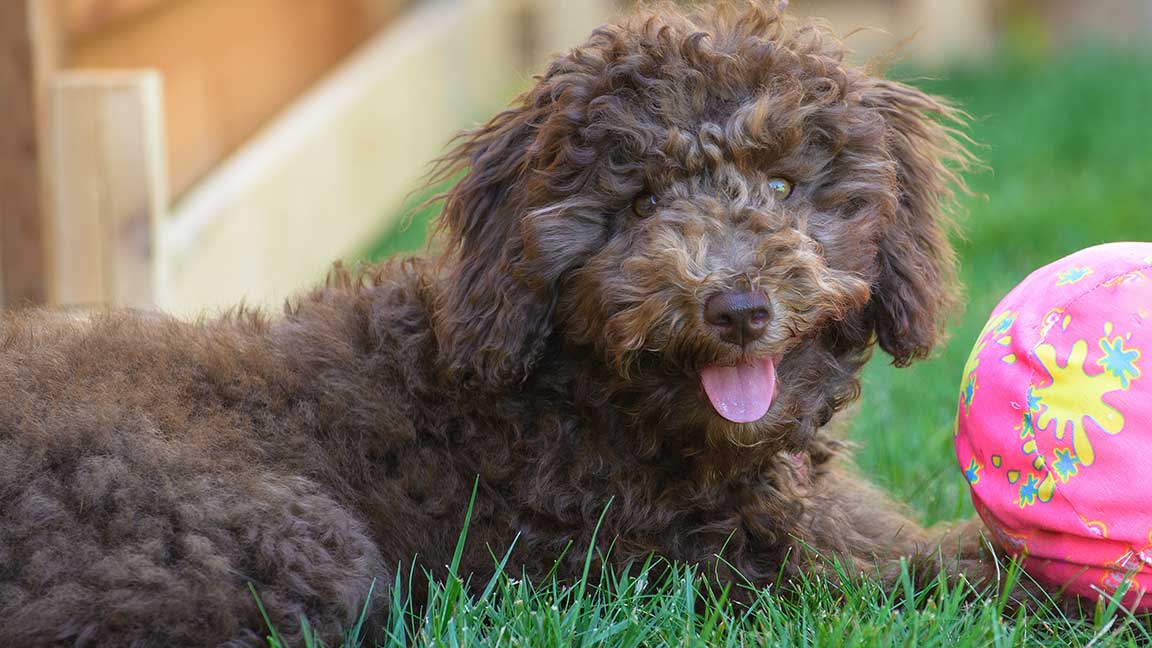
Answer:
x=662 y=271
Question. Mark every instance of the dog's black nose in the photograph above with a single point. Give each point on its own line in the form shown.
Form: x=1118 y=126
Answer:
x=739 y=317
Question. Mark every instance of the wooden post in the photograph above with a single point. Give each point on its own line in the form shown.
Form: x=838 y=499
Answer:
x=109 y=187
x=28 y=49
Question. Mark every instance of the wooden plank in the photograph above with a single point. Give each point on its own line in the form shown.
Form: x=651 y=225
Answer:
x=316 y=184
x=85 y=17
x=229 y=65
x=30 y=48
x=109 y=187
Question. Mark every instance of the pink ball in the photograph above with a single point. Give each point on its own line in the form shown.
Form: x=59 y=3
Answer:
x=1054 y=428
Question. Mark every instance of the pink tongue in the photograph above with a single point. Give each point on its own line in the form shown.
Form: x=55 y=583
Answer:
x=741 y=394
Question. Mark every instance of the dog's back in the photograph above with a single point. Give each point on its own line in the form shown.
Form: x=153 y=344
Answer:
x=150 y=469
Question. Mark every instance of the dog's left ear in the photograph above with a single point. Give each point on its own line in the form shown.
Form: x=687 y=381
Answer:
x=916 y=286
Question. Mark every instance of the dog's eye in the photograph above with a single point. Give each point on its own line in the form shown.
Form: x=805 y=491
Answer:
x=645 y=205
x=781 y=188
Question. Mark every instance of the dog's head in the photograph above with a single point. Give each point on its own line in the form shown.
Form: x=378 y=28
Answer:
x=717 y=206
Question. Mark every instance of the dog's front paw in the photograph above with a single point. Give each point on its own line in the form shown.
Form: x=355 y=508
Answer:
x=963 y=551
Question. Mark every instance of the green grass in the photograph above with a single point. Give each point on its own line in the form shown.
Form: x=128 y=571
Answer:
x=1069 y=145
x=679 y=609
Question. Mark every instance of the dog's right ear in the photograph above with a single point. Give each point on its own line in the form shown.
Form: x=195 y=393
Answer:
x=493 y=317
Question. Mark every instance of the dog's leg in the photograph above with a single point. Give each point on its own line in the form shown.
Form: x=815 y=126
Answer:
x=853 y=520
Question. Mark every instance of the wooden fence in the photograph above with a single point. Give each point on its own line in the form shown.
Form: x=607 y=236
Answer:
x=189 y=154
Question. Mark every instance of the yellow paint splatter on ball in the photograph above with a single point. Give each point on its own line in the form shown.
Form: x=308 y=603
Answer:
x=1096 y=527
x=1074 y=397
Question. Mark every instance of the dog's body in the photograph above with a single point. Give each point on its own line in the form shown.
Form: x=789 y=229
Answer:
x=582 y=347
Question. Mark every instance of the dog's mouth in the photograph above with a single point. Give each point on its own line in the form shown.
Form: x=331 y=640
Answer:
x=741 y=393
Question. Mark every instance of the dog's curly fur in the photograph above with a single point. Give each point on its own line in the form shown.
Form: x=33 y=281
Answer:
x=551 y=354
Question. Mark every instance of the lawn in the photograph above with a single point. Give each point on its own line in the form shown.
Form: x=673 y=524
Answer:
x=1068 y=143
